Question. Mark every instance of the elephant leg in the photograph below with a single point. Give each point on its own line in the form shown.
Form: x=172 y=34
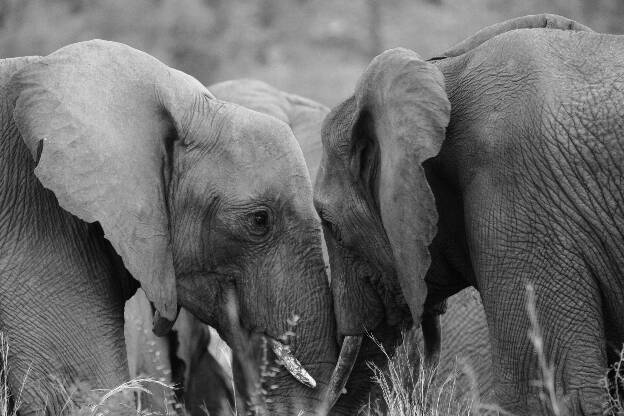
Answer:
x=63 y=321
x=512 y=243
x=54 y=350
x=571 y=330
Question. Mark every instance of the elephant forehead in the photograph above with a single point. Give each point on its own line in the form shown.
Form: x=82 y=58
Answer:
x=260 y=152
x=259 y=141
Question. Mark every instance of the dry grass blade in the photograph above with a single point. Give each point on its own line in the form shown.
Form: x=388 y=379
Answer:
x=548 y=394
x=409 y=389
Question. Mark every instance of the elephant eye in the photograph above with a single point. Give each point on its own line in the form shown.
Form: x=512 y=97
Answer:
x=260 y=222
x=261 y=218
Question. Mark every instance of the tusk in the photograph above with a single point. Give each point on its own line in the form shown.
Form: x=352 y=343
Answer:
x=293 y=365
x=346 y=361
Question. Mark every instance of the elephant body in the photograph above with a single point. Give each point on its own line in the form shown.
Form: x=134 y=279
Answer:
x=496 y=166
x=534 y=150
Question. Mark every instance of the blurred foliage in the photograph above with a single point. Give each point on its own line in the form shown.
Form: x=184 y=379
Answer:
x=315 y=48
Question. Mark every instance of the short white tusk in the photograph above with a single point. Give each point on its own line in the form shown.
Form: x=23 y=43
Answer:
x=293 y=365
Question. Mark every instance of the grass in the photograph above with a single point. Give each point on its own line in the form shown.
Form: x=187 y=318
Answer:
x=406 y=388
x=409 y=389
x=79 y=400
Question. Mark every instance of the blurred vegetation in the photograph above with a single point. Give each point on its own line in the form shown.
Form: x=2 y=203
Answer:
x=315 y=48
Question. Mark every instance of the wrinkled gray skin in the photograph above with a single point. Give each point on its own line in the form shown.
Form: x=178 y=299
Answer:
x=493 y=168
x=207 y=383
x=465 y=341
x=116 y=169
x=304 y=116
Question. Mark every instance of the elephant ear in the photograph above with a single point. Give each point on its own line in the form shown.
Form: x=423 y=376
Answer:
x=304 y=116
x=100 y=119
x=403 y=112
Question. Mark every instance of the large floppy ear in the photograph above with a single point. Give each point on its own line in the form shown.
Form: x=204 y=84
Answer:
x=304 y=116
x=100 y=119
x=402 y=112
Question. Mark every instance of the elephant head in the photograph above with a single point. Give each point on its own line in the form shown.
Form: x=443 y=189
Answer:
x=208 y=204
x=373 y=197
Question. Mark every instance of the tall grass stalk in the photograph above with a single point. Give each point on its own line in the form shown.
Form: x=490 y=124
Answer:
x=410 y=389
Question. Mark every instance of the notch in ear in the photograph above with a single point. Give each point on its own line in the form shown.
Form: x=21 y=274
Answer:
x=106 y=115
x=401 y=118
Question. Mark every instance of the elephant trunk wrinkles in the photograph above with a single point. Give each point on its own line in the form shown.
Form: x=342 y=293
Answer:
x=286 y=362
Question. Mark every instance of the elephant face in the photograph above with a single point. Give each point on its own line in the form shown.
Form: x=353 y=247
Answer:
x=373 y=197
x=208 y=204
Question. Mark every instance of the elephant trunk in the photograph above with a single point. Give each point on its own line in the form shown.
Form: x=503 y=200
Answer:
x=292 y=347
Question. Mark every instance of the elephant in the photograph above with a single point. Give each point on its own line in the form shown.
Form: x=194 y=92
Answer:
x=119 y=171
x=494 y=165
x=184 y=359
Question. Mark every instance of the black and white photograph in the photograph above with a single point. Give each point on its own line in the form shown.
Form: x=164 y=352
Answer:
x=311 y=208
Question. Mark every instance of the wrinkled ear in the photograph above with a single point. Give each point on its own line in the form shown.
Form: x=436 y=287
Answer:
x=100 y=119
x=304 y=116
x=402 y=114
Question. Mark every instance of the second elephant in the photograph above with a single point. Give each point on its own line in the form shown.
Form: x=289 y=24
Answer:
x=496 y=166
